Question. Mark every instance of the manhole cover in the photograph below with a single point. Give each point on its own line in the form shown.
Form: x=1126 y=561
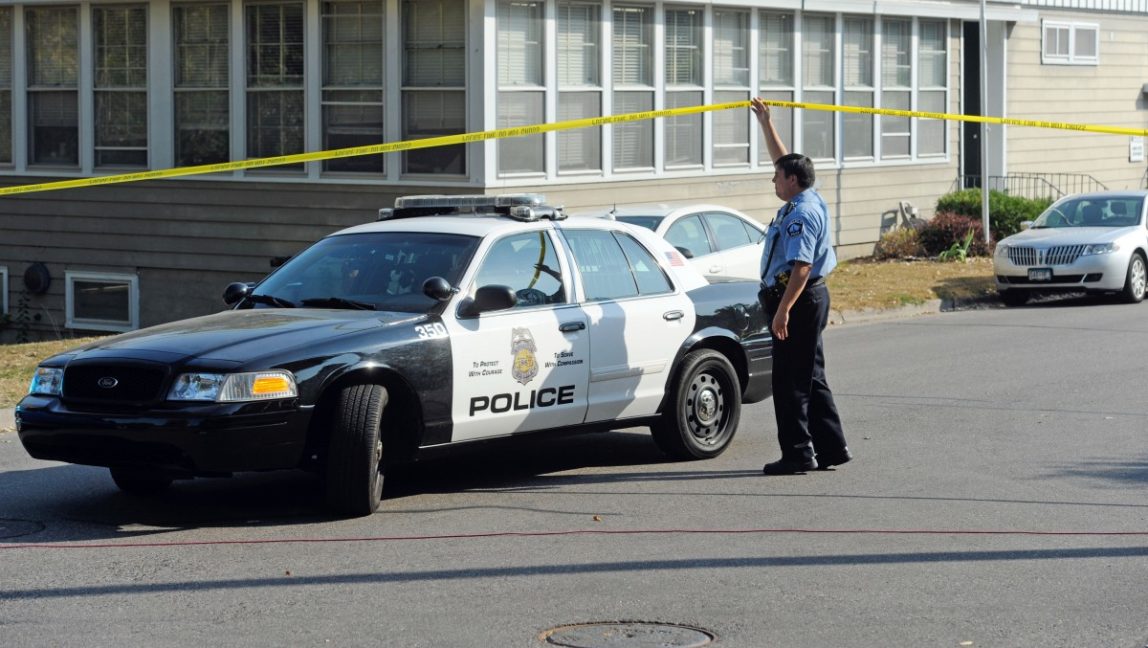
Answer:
x=628 y=634
x=17 y=528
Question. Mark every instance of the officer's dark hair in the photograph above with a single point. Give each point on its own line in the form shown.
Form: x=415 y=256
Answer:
x=796 y=164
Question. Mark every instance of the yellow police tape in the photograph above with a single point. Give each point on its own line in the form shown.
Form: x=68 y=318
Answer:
x=536 y=129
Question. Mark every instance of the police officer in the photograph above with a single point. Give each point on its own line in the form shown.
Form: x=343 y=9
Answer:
x=796 y=260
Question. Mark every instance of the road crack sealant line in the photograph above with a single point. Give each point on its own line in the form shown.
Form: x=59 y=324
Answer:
x=536 y=129
x=567 y=532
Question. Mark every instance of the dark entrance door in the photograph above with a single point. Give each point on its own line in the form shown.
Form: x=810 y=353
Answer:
x=971 y=98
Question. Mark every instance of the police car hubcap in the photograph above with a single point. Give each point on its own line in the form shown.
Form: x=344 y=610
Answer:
x=705 y=406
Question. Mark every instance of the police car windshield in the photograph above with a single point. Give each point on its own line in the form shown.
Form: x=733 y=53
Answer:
x=379 y=270
x=648 y=222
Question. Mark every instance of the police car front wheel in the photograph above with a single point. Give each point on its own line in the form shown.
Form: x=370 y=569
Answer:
x=704 y=408
x=355 y=454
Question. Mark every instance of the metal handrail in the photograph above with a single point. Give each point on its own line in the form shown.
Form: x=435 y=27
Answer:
x=1035 y=185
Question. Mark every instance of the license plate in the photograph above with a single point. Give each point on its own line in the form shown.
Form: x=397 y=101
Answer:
x=1040 y=274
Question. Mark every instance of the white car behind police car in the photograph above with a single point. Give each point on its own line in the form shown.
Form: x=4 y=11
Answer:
x=718 y=241
x=450 y=320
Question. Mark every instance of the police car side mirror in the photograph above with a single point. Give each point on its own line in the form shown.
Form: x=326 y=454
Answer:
x=438 y=289
x=236 y=291
x=488 y=298
x=685 y=252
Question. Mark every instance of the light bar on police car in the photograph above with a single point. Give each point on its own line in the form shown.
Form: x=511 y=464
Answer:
x=470 y=202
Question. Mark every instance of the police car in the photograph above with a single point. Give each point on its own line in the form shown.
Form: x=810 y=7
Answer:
x=448 y=321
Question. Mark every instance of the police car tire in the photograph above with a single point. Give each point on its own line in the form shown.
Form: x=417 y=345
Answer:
x=355 y=454
x=140 y=482
x=681 y=433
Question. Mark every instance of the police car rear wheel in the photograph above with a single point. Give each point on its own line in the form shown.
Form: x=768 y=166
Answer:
x=355 y=455
x=705 y=408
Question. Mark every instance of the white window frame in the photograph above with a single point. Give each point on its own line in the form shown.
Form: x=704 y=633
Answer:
x=6 y=83
x=564 y=85
x=110 y=90
x=784 y=120
x=862 y=119
x=508 y=86
x=185 y=88
x=675 y=91
x=335 y=96
x=739 y=131
x=920 y=88
x=3 y=290
x=132 y=281
x=1072 y=58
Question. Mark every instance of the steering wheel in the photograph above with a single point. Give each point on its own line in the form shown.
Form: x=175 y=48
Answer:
x=531 y=296
x=541 y=257
x=1056 y=219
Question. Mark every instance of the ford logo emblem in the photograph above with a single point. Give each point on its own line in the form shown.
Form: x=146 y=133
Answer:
x=107 y=382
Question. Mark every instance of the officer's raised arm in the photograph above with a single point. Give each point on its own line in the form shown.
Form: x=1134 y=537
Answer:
x=772 y=139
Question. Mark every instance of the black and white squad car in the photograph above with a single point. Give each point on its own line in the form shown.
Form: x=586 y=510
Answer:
x=452 y=319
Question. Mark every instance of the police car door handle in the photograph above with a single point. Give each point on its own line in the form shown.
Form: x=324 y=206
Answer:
x=570 y=327
x=673 y=315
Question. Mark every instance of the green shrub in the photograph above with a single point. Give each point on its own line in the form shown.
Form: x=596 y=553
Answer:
x=947 y=228
x=958 y=251
x=1005 y=212
x=900 y=243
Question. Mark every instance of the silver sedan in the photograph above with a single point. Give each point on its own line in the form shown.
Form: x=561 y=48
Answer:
x=1094 y=242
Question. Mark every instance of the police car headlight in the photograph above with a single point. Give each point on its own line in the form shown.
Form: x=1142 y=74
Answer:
x=47 y=381
x=1100 y=248
x=233 y=388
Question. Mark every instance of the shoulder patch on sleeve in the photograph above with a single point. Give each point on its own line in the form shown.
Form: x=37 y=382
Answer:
x=794 y=227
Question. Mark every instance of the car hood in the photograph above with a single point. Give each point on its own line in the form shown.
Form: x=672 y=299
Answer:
x=1067 y=236
x=234 y=337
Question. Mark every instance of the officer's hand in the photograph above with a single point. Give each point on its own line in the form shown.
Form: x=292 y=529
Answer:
x=760 y=109
x=780 y=325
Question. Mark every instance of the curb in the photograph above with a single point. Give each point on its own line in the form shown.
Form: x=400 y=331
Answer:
x=930 y=307
x=8 y=420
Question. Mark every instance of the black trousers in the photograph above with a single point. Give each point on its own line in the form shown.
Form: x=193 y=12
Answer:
x=807 y=419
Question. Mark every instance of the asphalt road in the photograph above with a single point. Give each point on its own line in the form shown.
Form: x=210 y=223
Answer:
x=997 y=499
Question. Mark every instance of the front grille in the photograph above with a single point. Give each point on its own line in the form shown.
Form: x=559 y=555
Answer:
x=129 y=381
x=1057 y=255
x=1023 y=256
x=1062 y=254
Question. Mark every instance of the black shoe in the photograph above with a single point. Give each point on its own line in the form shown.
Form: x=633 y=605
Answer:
x=827 y=461
x=784 y=467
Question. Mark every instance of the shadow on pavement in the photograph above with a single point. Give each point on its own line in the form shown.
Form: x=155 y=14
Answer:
x=67 y=502
x=684 y=565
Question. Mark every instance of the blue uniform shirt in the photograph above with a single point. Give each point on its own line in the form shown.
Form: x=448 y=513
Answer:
x=800 y=232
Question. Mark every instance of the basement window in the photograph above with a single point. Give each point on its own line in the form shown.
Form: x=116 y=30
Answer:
x=100 y=301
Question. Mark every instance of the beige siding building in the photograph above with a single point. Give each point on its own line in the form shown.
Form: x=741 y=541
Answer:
x=98 y=88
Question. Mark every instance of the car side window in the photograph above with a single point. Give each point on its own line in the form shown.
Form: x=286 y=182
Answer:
x=528 y=265
x=689 y=234
x=604 y=268
x=728 y=231
x=649 y=275
x=755 y=234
